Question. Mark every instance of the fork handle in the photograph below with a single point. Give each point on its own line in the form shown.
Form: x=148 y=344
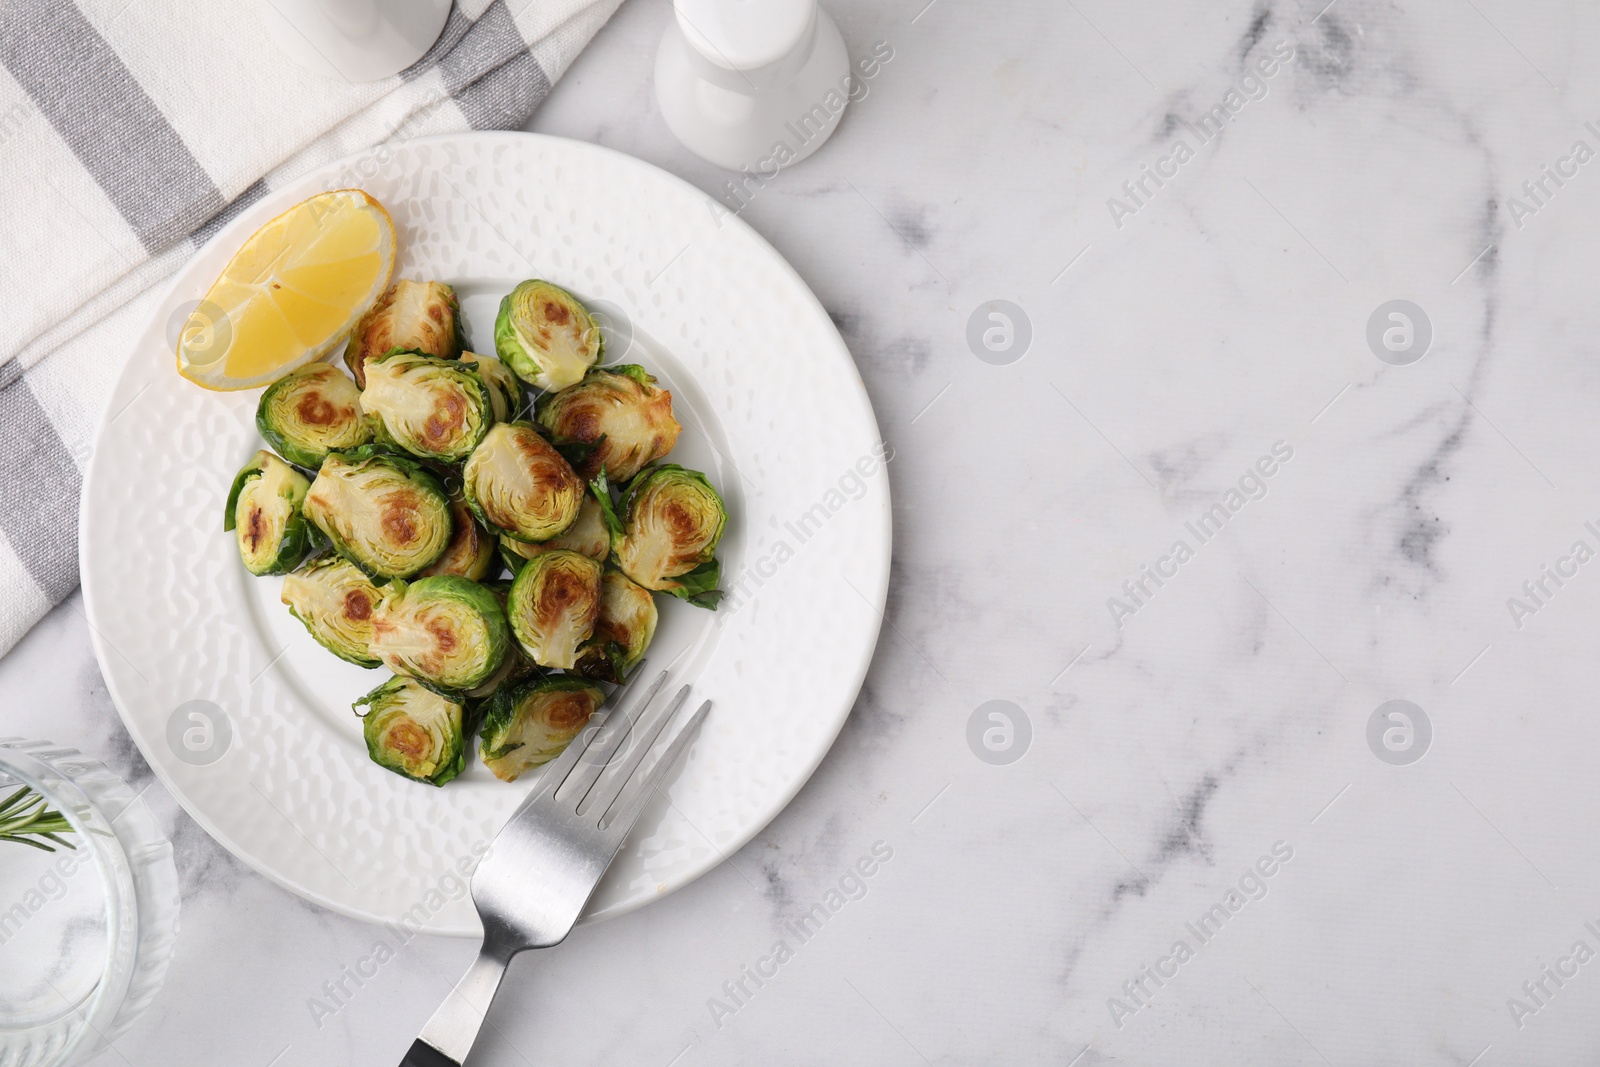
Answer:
x=449 y=1035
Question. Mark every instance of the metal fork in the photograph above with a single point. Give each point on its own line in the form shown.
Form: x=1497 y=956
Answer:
x=544 y=865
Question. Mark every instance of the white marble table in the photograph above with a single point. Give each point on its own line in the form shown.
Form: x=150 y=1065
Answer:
x=1186 y=737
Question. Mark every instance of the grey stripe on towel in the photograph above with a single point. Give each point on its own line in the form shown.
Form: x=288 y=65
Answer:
x=493 y=77
x=110 y=123
x=39 y=484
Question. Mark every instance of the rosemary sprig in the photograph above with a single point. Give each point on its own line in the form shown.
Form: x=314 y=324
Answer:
x=24 y=817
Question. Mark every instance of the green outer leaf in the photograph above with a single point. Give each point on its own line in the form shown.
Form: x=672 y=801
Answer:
x=513 y=562
x=603 y=662
x=576 y=453
x=309 y=458
x=254 y=466
x=463 y=343
x=480 y=601
x=454 y=758
x=602 y=493
x=699 y=586
x=634 y=371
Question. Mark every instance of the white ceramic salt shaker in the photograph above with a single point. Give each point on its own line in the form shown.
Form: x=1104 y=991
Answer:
x=752 y=83
x=354 y=40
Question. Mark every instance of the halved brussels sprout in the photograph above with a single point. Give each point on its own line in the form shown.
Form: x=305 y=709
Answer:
x=553 y=606
x=384 y=513
x=505 y=388
x=414 y=732
x=517 y=483
x=588 y=536
x=470 y=552
x=310 y=412
x=446 y=632
x=618 y=411
x=334 y=600
x=530 y=724
x=666 y=538
x=433 y=408
x=545 y=335
x=424 y=316
x=622 y=633
x=267 y=511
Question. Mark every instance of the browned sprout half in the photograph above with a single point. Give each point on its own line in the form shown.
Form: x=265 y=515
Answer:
x=588 y=536
x=553 y=606
x=667 y=534
x=446 y=632
x=622 y=633
x=310 y=412
x=335 y=601
x=414 y=731
x=267 y=511
x=386 y=514
x=435 y=409
x=546 y=336
x=518 y=484
x=424 y=316
x=619 y=414
x=530 y=724
x=470 y=552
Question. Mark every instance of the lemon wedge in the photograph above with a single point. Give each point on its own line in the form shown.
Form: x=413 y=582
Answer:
x=293 y=292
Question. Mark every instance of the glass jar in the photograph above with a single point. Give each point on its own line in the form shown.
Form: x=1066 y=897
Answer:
x=86 y=931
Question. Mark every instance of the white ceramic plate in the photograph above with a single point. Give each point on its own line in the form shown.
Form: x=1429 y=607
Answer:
x=773 y=410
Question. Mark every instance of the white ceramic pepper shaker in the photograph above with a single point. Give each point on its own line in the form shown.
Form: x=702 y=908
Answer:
x=752 y=83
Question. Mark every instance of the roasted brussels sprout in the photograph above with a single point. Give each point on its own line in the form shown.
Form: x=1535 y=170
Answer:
x=386 y=514
x=505 y=388
x=470 y=552
x=666 y=535
x=432 y=408
x=418 y=315
x=529 y=724
x=334 y=600
x=623 y=631
x=620 y=413
x=553 y=606
x=267 y=510
x=546 y=336
x=310 y=412
x=518 y=484
x=446 y=632
x=588 y=536
x=414 y=732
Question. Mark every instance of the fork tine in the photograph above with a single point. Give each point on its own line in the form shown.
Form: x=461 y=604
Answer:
x=616 y=823
x=608 y=740
x=646 y=732
x=557 y=770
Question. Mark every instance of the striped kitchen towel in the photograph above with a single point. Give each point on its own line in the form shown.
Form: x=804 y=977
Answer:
x=130 y=131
